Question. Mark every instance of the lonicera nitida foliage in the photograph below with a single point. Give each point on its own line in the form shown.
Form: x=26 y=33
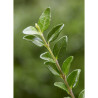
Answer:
x=54 y=59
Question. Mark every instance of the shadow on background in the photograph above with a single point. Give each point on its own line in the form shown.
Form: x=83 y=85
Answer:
x=31 y=78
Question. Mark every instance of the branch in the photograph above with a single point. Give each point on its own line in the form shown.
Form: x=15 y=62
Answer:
x=58 y=66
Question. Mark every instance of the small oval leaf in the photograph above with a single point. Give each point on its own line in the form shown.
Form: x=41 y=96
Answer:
x=59 y=49
x=52 y=67
x=82 y=94
x=54 y=33
x=61 y=85
x=30 y=31
x=46 y=56
x=73 y=78
x=37 y=41
x=53 y=71
x=44 y=20
x=66 y=65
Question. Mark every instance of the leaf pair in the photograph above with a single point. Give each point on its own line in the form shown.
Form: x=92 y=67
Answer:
x=44 y=22
x=66 y=64
x=32 y=34
x=50 y=63
x=72 y=80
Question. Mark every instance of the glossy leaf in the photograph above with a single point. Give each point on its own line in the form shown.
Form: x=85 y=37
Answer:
x=37 y=41
x=54 y=33
x=60 y=44
x=53 y=71
x=66 y=65
x=59 y=49
x=46 y=56
x=30 y=31
x=61 y=85
x=52 y=68
x=44 y=20
x=73 y=78
x=82 y=95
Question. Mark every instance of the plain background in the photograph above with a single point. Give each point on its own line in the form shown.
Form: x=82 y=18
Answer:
x=6 y=48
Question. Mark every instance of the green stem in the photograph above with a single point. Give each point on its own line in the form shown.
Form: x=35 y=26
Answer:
x=58 y=66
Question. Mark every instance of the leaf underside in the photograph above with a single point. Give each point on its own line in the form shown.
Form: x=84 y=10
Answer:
x=36 y=40
x=52 y=67
x=46 y=56
x=30 y=31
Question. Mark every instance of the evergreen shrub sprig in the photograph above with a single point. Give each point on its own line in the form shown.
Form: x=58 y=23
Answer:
x=54 y=59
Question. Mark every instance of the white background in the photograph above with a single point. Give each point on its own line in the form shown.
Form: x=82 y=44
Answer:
x=6 y=48
x=91 y=48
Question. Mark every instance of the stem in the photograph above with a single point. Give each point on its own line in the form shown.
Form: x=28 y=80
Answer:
x=58 y=66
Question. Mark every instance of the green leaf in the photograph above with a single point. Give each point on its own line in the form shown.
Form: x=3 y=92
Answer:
x=61 y=85
x=37 y=41
x=59 y=49
x=67 y=97
x=52 y=68
x=30 y=31
x=53 y=71
x=46 y=56
x=73 y=78
x=66 y=65
x=82 y=94
x=54 y=33
x=60 y=44
x=44 y=20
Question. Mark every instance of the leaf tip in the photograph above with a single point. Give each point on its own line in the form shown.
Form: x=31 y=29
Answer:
x=47 y=9
x=25 y=37
x=41 y=56
x=62 y=25
x=79 y=70
x=72 y=57
x=55 y=83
